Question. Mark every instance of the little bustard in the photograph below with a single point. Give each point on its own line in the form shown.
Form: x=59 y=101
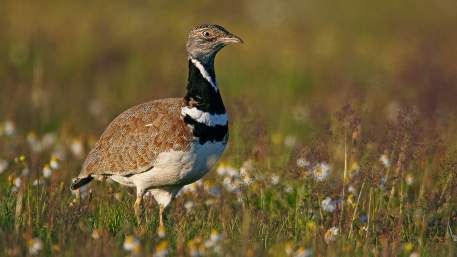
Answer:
x=163 y=145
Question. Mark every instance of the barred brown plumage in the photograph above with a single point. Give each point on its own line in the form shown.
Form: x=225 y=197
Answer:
x=162 y=145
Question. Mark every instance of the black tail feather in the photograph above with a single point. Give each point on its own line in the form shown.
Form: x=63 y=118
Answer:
x=79 y=182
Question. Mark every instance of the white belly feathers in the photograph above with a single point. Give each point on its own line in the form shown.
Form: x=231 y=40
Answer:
x=177 y=167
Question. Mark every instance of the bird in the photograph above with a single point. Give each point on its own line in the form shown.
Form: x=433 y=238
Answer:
x=162 y=145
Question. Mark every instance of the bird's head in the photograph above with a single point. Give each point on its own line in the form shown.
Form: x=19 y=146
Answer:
x=206 y=40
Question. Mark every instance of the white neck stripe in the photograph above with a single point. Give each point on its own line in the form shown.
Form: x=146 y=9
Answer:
x=206 y=118
x=204 y=73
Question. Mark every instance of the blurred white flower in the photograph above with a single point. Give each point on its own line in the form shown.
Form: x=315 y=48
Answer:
x=352 y=190
x=246 y=178
x=274 y=179
x=35 y=246
x=302 y=163
x=9 y=128
x=37 y=182
x=321 y=171
x=290 y=141
x=409 y=179
x=54 y=163
x=47 y=172
x=161 y=249
x=77 y=147
x=17 y=182
x=189 y=205
x=288 y=189
x=227 y=170
x=231 y=184
x=302 y=252
x=328 y=205
x=331 y=234
x=131 y=243
x=214 y=238
x=385 y=160
x=3 y=165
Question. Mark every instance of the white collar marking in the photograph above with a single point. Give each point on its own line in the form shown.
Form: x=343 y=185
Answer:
x=206 y=118
x=204 y=73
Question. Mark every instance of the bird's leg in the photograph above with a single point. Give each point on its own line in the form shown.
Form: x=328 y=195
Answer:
x=139 y=207
x=161 y=209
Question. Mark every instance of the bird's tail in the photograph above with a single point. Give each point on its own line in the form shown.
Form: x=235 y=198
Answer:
x=79 y=182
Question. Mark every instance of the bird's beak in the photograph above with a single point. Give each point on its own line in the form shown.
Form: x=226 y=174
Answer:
x=231 y=39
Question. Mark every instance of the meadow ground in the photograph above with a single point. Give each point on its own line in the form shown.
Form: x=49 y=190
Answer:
x=343 y=127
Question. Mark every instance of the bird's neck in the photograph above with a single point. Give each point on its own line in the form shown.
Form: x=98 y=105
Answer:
x=202 y=91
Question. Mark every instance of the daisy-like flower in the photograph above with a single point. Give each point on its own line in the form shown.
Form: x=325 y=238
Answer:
x=302 y=252
x=77 y=148
x=35 y=246
x=213 y=240
x=227 y=170
x=3 y=165
x=231 y=185
x=189 y=205
x=274 y=179
x=246 y=178
x=302 y=163
x=331 y=234
x=132 y=244
x=54 y=163
x=47 y=171
x=9 y=128
x=321 y=171
x=161 y=249
x=384 y=160
x=328 y=205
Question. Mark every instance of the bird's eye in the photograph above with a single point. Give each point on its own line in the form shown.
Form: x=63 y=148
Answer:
x=206 y=34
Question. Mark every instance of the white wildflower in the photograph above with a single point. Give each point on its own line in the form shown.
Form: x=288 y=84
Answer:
x=189 y=205
x=161 y=249
x=77 y=148
x=131 y=243
x=214 y=238
x=35 y=246
x=328 y=205
x=302 y=163
x=47 y=172
x=321 y=171
x=385 y=160
x=9 y=128
x=302 y=252
x=274 y=179
x=331 y=234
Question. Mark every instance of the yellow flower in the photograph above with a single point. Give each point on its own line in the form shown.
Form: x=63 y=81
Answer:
x=408 y=247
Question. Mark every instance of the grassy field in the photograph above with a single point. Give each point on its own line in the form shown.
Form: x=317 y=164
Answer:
x=343 y=127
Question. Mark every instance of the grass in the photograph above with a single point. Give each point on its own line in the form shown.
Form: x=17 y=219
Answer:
x=342 y=128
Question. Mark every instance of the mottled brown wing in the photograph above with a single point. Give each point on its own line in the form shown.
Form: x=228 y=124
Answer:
x=133 y=140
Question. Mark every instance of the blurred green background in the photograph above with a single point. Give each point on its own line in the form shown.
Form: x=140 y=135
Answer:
x=77 y=64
